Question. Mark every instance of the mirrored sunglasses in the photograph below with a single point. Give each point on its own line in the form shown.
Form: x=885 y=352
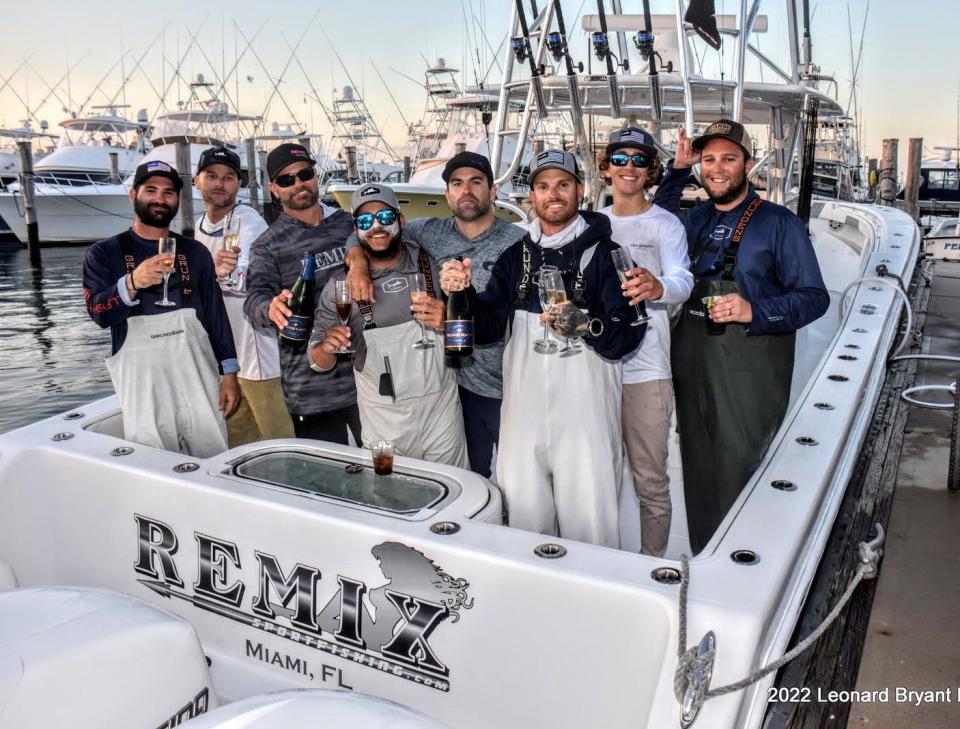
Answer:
x=385 y=217
x=620 y=159
x=287 y=180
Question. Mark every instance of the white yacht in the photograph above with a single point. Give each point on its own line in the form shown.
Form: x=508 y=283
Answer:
x=287 y=565
x=91 y=151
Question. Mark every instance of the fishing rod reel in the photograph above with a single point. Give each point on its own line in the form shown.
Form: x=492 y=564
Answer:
x=557 y=46
x=519 y=46
x=601 y=49
x=643 y=40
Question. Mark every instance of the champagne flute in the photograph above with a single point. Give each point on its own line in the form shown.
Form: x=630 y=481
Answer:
x=418 y=292
x=544 y=345
x=556 y=298
x=167 y=247
x=344 y=302
x=230 y=242
x=623 y=262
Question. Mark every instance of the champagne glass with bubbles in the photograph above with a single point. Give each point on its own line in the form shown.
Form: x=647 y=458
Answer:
x=231 y=244
x=344 y=302
x=167 y=247
x=623 y=262
x=556 y=298
x=544 y=345
x=418 y=292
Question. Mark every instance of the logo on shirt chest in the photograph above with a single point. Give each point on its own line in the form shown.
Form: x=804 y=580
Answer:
x=721 y=232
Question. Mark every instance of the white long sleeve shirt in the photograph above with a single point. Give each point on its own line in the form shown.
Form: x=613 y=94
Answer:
x=657 y=241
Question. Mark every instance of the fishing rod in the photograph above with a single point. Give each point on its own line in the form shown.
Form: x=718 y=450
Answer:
x=557 y=45
x=523 y=52
x=176 y=69
x=644 y=43
x=601 y=46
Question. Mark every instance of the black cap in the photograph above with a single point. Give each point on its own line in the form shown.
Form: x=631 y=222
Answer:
x=631 y=138
x=157 y=168
x=286 y=154
x=219 y=156
x=726 y=129
x=468 y=159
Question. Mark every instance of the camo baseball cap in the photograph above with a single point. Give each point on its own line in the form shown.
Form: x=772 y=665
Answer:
x=726 y=129
x=554 y=159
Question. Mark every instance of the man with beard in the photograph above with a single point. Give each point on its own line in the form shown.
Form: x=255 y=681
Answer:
x=560 y=460
x=262 y=413
x=165 y=358
x=323 y=404
x=412 y=402
x=757 y=281
x=474 y=232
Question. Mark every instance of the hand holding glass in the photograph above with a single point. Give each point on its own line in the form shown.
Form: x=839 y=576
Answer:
x=344 y=302
x=623 y=262
x=418 y=292
x=167 y=247
x=231 y=244
x=544 y=345
x=557 y=297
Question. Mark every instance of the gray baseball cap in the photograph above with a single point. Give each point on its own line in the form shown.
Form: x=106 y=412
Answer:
x=631 y=138
x=554 y=159
x=725 y=129
x=373 y=192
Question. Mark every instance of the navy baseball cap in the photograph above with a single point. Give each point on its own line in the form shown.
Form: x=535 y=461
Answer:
x=286 y=154
x=156 y=168
x=631 y=138
x=468 y=159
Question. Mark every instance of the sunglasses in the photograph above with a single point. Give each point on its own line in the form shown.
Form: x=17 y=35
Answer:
x=620 y=159
x=385 y=217
x=287 y=180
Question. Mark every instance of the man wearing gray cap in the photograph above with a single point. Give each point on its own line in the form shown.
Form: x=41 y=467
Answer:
x=473 y=231
x=560 y=460
x=405 y=392
x=323 y=405
x=660 y=277
x=757 y=282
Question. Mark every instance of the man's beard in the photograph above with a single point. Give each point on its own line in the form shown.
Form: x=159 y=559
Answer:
x=736 y=189
x=308 y=202
x=208 y=199
x=559 y=218
x=468 y=215
x=154 y=219
x=389 y=252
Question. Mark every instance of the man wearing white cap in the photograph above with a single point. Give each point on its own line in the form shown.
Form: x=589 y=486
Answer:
x=560 y=462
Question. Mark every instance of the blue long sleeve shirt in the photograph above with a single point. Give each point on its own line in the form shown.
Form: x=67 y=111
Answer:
x=108 y=304
x=777 y=270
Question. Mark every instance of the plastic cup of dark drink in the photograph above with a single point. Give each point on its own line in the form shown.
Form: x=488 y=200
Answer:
x=712 y=326
x=382 y=452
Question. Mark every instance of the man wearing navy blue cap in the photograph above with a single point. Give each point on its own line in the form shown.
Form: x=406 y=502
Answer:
x=757 y=282
x=166 y=357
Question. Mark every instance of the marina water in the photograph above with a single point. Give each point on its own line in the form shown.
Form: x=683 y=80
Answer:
x=51 y=353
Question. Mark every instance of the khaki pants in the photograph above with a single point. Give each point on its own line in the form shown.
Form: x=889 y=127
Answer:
x=262 y=414
x=647 y=407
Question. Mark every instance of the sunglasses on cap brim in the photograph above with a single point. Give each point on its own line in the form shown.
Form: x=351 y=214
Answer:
x=620 y=159
x=287 y=180
x=385 y=217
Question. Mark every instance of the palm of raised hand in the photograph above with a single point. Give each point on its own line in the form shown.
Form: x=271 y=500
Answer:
x=686 y=155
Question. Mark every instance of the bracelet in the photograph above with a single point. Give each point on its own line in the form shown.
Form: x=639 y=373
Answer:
x=132 y=286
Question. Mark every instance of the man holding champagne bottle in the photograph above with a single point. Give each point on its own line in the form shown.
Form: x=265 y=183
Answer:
x=323 y=403
x=560 y=460
x=473 y=230
x=406 y=393
x=165 y=355
x=228 y=230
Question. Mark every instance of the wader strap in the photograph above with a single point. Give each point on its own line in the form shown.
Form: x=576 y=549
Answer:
x=366 y=311
x=730 y=255
x=423 y=261
x=524 y=286
x=579 y=288
x=127 y=247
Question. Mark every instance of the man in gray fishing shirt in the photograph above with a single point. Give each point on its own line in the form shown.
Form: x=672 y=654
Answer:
x=473 y=232
x=323 y=404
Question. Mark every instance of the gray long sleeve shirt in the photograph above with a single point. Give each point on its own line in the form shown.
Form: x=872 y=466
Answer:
x=275 y=265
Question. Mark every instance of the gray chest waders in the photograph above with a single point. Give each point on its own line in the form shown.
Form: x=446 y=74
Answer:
x=732 y=392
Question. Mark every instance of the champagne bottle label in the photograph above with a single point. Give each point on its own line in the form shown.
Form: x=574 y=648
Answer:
x=298 y=328
x=458 y=333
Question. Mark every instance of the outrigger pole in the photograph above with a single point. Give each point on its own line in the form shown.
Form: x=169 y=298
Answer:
x=522 y=49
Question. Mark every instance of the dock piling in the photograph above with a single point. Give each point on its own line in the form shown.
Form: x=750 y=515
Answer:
x=911 y=191
x=888 y=172
x=114 y=158
x=30 y=210
x=186 y=194
x=253 y=181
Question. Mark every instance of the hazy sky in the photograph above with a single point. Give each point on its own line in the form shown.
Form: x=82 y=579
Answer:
x=909 y=76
